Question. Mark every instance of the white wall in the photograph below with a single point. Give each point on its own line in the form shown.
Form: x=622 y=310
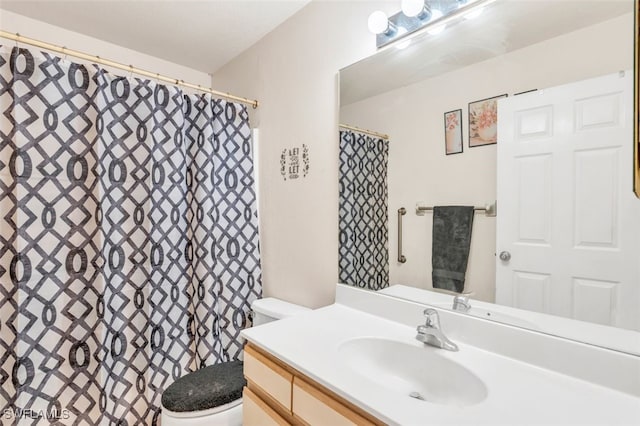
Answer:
x=39 y=30
x=419 y=170
x=293 y=72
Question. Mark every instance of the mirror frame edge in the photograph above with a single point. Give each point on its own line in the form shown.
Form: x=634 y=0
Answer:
x=636 y=124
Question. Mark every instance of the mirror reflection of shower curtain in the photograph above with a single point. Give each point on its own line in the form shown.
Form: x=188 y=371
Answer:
x=128 y=239
x=363 y=213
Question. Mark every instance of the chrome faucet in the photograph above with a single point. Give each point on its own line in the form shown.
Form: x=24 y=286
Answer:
x=431 y=333
x=461 y=303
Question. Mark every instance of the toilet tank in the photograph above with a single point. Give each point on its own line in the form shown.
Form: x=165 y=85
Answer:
x=271 y=309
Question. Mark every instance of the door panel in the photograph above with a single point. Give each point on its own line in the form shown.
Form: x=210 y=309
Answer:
x=596 y=192
x=534 y=199
x=531 y=291
x=595 y=300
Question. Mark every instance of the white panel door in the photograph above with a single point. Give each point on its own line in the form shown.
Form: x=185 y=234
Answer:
x=567 y=215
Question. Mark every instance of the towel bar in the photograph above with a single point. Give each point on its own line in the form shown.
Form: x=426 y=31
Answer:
x=401 y=212
x=490 y=210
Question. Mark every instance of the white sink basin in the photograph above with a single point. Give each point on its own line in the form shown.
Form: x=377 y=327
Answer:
x=418 y=372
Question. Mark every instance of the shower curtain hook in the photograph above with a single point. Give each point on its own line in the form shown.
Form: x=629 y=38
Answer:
x=64 y=59
x=16 y=40
x=130 y=71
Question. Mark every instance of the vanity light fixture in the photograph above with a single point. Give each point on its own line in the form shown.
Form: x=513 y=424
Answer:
x=432 y=16
x=405 y=42
x=437 y=29
x=379 y=24
x=416 y=8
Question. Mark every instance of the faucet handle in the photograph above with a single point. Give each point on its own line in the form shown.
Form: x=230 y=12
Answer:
x=461 y=302
x=464 y=297
x=432 y=318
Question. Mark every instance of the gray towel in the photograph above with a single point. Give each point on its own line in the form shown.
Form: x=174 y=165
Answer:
x=450 y=247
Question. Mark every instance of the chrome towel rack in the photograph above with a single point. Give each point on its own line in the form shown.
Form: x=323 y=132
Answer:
x=490 y=210
x=401 y=212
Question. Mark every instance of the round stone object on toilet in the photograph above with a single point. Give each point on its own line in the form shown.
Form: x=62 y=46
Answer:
x=213 y=395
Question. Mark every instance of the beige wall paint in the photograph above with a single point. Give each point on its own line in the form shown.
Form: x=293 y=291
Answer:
x=42 y=31
x=419 y=170
x=293 y=72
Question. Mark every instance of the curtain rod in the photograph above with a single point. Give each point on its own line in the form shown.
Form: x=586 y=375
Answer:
x=368 y=132
x=128 y=68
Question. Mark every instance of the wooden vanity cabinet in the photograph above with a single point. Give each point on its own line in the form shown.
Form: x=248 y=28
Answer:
x=277 y=394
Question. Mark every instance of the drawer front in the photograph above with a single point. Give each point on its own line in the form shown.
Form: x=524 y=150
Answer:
x=317 y=408
x=268 y=376
x=255 y=412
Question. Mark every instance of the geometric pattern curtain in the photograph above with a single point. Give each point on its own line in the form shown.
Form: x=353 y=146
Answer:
x=128 y=239
x=363 y=217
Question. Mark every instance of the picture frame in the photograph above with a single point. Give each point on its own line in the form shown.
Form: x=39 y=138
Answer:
x=453 y=132
x=483 y=121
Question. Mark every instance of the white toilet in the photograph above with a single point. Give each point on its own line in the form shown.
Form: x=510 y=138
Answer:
x=230 y=413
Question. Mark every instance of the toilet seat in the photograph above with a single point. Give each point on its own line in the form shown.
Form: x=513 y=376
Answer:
x=225 y=415
x=208 y=412
x=210 y=396
x=192 y=409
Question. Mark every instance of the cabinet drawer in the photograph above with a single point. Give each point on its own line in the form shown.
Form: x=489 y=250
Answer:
x=255 y=412
x=317 y=408
x=268 y=376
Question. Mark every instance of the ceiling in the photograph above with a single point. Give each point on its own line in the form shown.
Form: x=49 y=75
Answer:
x=203 y=35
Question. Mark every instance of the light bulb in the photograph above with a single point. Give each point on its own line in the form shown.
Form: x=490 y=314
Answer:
x=378 y=22
x=412 y=8
x=435 y=15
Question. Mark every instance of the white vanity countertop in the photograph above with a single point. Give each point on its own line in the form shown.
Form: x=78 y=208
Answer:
x=518 y=393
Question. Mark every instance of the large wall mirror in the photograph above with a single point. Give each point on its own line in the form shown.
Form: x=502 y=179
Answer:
x=559 y=163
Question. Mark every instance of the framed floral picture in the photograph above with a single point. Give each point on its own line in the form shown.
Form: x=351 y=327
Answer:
x=453 y=132
x=483 y=121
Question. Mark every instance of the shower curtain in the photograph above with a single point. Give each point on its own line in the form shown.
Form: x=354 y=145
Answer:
x=363 y=217
x=129 y=243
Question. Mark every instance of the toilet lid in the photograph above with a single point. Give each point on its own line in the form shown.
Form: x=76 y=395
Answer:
x=206 y=388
